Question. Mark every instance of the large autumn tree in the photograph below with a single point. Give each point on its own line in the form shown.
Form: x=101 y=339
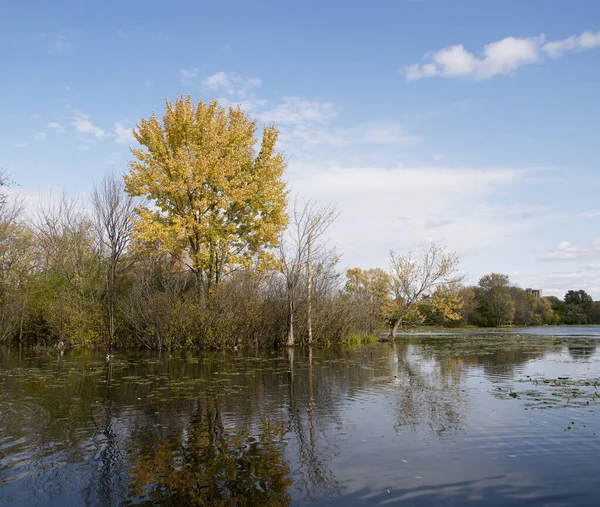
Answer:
x=216 y=195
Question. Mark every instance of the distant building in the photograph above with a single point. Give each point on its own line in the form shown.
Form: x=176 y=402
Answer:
x=537 y=293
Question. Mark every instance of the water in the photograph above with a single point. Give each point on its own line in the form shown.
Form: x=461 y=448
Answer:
x=428 y=420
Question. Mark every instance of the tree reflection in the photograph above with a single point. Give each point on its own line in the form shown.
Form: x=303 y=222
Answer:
x=429 y=393
x=499 y=355
x=212 y=465
x=313 y=478
x=234 y=429
x=582 y=348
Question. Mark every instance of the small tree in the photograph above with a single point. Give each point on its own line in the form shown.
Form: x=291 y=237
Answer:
x=428 y=273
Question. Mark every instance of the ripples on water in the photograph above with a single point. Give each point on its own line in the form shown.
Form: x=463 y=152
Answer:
x=430 y=420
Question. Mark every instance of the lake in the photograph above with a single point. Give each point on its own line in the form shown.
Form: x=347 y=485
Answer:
x=468 y=419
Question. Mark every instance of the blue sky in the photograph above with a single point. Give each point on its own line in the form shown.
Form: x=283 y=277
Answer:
x=472 y=123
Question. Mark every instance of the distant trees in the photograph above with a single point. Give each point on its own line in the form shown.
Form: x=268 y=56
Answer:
x=496 y=302
x=493 y=302
x=577 y=307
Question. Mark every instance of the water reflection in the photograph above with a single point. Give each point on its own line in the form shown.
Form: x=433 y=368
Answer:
x=581 y=348
x=428 y=392
x=200 y=461
x=321 y=426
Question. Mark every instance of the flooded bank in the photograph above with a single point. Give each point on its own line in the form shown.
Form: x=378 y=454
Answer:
x=428 y=420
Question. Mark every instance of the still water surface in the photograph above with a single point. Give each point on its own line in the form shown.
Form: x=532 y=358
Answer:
x=502 y=419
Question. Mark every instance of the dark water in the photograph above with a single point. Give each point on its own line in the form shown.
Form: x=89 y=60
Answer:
x=446 y=420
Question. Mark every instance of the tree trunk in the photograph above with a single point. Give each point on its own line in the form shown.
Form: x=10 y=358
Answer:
x=394 y=330
x=309 y=292
x=290 y=336
x=111 y=305
x=22 y=319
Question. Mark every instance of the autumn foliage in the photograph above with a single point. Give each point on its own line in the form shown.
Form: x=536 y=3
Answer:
x=192 y=248
x=216 y=201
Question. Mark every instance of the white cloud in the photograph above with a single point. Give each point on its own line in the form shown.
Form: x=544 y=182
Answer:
x=294 y=110
x=55 y=126
x=59 y=43
x=83 y=125
x=35 y=116
x=308 y=123
x=39 y=136
x=189 y=75
x=21 y=145
x=232 y=83
x=377 y=133
x=585 y=41
x=247 y=105
x=305 y=123
x=566 y=251
x=123 y=135
x=216 y=81
x=454 y=181
x=503 y=57
x=437 y=224
x=43 y=197
x=399 y=207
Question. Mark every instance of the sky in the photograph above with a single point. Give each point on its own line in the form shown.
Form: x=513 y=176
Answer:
x=470 y=123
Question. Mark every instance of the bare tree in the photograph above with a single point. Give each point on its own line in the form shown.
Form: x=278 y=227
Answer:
x=113 y=209
x=298 y=249
x=64 y=234
x=430 y=272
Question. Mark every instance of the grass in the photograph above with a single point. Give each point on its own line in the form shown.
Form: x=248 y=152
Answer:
x=355 y=339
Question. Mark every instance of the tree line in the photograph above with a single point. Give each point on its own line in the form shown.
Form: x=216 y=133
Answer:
x=194 y=246
x=495 y=301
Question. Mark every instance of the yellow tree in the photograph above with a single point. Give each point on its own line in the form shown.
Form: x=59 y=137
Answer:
x=217 y=197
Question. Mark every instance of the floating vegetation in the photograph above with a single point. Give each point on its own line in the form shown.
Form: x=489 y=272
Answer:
x=552 y=392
